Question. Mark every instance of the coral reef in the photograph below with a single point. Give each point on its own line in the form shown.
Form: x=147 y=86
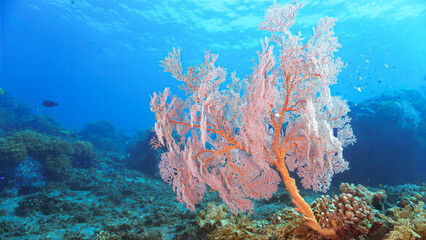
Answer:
x=28 y=175
x=98 y=198
x=43 y=204
x=54 y=153
x=407 y=194
x=83 y=154
x=216 y=222
x=141 y=155
x=212 y=217
x=408 y=222
x=351 y=217
x=102 y=129
x=12 y=150
x=103 y=135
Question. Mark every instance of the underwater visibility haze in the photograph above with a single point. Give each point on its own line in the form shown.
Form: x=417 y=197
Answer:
x=206 y=119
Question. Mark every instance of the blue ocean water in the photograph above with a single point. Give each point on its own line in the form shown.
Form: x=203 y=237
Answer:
x=100 y=61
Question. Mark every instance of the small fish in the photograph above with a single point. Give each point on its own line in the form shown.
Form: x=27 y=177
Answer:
x=386 y=66
x=49 y=103
x=367 y=61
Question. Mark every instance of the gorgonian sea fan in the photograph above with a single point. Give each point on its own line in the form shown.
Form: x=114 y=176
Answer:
x=282 y=116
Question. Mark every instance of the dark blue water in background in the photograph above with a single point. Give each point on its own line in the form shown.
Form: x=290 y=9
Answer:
x=100 y=59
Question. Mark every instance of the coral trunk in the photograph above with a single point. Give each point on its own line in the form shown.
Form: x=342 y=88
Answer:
x=301 y=205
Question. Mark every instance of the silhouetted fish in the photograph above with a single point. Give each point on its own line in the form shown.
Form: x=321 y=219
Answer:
x=49 y=103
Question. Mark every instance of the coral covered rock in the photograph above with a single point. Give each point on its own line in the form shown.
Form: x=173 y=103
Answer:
x=141 y=156
x=103 y=135
x=54 y=153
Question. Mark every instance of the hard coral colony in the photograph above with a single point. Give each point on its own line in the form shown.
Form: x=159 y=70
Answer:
x=281 y=116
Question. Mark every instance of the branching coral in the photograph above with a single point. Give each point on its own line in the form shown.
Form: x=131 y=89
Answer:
x=409 y=222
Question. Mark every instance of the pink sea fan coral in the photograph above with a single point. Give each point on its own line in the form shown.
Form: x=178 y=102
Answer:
x=281 y=117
